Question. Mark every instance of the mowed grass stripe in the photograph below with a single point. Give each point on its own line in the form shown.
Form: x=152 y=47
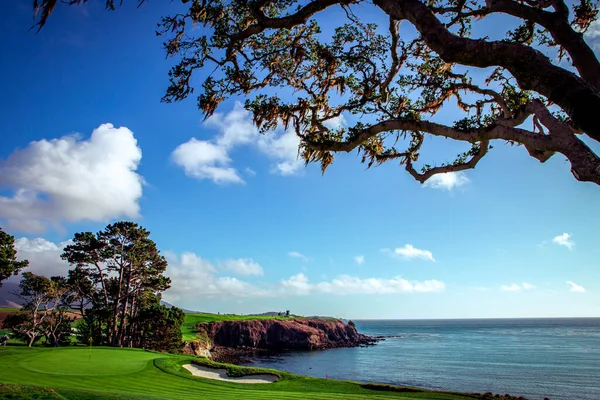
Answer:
x=43 y=367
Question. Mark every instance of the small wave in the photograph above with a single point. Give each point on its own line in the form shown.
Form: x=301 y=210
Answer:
x=410 y=335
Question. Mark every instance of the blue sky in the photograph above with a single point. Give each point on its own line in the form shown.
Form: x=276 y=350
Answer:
x=245 y=227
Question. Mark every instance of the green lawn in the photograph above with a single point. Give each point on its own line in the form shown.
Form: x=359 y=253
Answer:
x=109 y=373
x=191 y=320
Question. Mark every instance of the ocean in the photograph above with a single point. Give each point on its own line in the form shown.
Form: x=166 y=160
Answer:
x=535 y=358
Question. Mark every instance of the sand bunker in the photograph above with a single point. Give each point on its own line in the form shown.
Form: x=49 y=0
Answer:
x=221 y=375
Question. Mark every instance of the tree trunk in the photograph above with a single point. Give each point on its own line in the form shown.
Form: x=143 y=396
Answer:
x=115 y=318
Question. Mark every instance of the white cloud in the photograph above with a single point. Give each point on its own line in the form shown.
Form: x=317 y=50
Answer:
x=297 y=284
x=72 y=179
x=204 y=160
x=301 y=256
x=242 y=266
x=336 y=122
x=515 y=287
x=211 y=159
x=344 y=285
x=447 y=181
x=564 y=240
x=43 y=255
x=192 y=276
x=408 y=251
x=575 y=287
x=592 y=36
x=283 y=149
x=359 y=259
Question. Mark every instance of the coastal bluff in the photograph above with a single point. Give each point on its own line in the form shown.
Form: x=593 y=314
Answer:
x=278 y=334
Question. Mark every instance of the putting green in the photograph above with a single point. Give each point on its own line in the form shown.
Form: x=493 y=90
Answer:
x=126 y=374
x=77 y=361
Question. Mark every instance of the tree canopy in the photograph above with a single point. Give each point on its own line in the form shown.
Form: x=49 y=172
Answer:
x=115 y=284
x=539 y=86
x=44 y=313
x=118 y=272
x=9 y=265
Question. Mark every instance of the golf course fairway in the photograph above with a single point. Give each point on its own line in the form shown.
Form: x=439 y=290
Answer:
x=110 y=373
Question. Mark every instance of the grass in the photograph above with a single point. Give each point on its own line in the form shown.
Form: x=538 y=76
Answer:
x=188 y=329
x=189 y=332
x=110 y=373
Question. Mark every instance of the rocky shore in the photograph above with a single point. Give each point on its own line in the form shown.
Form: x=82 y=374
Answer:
x=237 y=341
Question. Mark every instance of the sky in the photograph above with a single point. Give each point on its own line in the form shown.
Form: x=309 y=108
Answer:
x=245 y=226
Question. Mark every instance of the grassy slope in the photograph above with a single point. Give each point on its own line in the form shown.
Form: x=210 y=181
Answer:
x=74 y=373
x=189 y=332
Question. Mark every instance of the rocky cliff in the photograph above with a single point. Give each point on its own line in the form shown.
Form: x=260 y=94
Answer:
x=275 y=334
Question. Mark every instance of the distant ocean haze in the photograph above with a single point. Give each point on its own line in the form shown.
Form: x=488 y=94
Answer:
x=536 y=358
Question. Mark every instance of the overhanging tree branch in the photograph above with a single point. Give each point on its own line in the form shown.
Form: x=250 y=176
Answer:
x=264 y=47
x=532 y=69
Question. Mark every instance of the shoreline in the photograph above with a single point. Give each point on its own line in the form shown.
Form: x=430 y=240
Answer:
x=237 y=342
x=245 y=355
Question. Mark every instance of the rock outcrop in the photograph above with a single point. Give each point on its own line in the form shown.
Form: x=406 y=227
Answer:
x=197 y=348
x=275 y=334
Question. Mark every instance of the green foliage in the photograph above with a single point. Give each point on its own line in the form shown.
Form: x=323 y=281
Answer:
x=275 y=55
x=160 y=327
x=17 y=323
x=8 y=257
x=44 y=313
x=88 y=331
x=118 y=275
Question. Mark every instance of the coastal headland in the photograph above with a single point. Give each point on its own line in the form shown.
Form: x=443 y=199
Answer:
x=229 y=341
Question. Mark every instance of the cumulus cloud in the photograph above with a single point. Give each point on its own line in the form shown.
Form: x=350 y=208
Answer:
x=564 y=240
x=408 y=251
x=242 y=266
x=359 y=259
x=204 y=160
x=575 y=287
x=297 y=284
x=193 y=276
x=72 y=179
x=592 y=36
x=211 y=159
x=295 y=254
x=515 y=287
x=43 y=255
x=447 y=181
x=336 y=122
x=344 y=285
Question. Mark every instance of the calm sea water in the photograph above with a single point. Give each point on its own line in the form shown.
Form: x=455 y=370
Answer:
x=535 y=358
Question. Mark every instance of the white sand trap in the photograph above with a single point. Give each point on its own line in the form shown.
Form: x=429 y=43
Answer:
x=221 y=375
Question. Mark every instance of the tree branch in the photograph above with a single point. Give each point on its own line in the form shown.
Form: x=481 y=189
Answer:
x=422 y=177
x=531 y=69
x=585 y=165
x=298 y=18
x=484 y=134
x=583 y=57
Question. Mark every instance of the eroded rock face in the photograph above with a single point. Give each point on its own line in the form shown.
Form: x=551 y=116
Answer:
x=196 y=348
x=295 y=334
